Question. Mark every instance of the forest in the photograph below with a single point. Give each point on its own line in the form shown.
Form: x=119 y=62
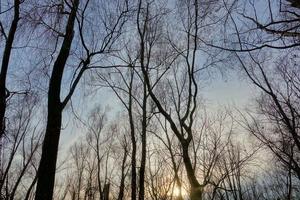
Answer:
x=150 y=100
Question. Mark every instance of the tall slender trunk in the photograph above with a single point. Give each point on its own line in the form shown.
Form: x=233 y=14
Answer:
x=4 y=69
x=99 y=169
x=123 y=176
x=5 y=62
x=47 y=167
x=144 y=106
x=133 y=141
x=144 y=145
x=133 y=156
x=106 y=191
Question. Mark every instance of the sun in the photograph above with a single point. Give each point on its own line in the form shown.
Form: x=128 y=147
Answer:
x=177 y=190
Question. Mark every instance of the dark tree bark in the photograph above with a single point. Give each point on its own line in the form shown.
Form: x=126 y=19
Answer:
x=4 y=66
x=196 y=188
x=133 y=142
x=144 y=142
x=106 y=191
x=46 y=171
x=123 y=175
x=294 y=3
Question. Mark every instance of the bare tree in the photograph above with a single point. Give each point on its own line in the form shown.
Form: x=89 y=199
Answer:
x=103 y=146
x=46 y=172
x=246 y=26
x=128 y=80
x=20 y=148
x=124 y=170
x=9 y=39
x=153 y=55
x=172 y=149
x=266 y=50
x=276 y=123
x=184 y=130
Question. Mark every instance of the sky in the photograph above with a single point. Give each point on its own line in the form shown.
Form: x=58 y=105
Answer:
x=219 y=93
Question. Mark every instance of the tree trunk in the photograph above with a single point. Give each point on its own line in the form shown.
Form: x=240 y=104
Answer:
x=133 y=157
x=106 y=191
x=4 y=66
x=196 y=188
x=144 y=146
x=47 y=167
x=133 y=140
x=123 y=176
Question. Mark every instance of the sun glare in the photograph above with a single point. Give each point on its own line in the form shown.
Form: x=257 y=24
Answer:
x=177 y=190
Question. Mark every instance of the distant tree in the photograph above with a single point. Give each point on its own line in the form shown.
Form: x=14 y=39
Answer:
x=172 y=150
x=267 y=50
x=184 y=113
x=124 y=170
x=276 y=121
x=124 y=87
x=173 y=83
x=20 y=149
